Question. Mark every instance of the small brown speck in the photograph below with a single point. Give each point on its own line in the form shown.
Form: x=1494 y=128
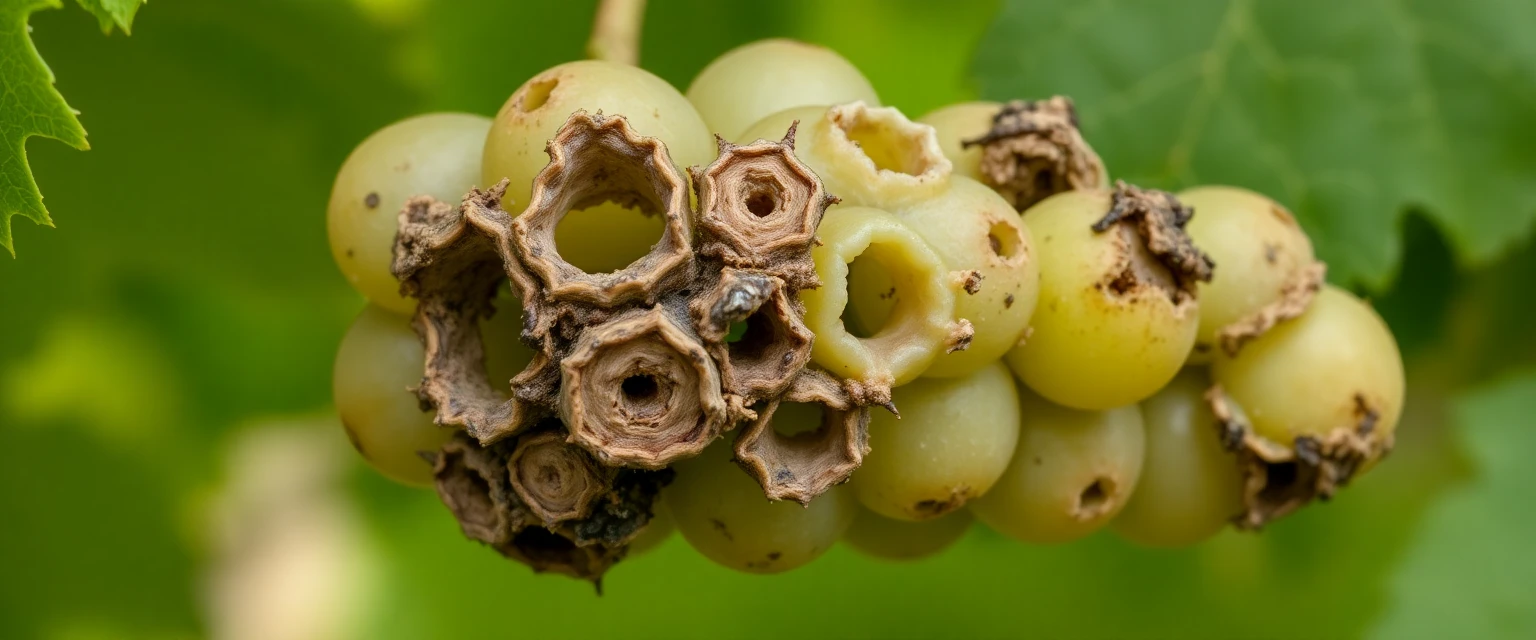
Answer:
x=1008 y=301
x=371 y=200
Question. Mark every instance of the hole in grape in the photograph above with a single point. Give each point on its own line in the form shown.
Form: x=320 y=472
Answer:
x=1095 y=498
x=877 y=288
x=1005 y=239
x=537 y=94
x=607 y=237
x=890 y=149
x=798 y=420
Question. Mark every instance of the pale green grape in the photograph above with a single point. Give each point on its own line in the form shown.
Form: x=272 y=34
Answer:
x=656 y=532
x=603 y=237
x=505 y=353
x=953 y=441
x=1324 y=370
x=436 y=154
x=753 y=80
x=868 y=156
x=1071 y=473
x=380 y=359
x=959 y=122
x=1190 y=486
x=1258 y=247
x=883 y=537
x=722 y=513
x=971 y=228
x=1108 y=330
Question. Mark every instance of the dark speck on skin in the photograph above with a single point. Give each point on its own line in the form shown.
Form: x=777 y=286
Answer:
x=1008 y=301
x=371 y=200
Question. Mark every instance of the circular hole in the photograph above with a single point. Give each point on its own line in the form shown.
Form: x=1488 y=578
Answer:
x=640 y=388
x=537 y=94
x=886 y=146
x=1004 y=240
x=761 y=204
x=876 y=293
x=607 y=237
x=758 y=335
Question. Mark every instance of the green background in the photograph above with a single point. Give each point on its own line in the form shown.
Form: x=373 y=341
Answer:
x=187 y=304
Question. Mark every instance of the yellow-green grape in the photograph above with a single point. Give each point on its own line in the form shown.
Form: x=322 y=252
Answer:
x=952 y=442
x=868 y=156
x=957 y=123
x=379 y=361
x=604 y=237
x=971 y=228
x=436 y=154
x=754 y=80
x=1335 y=367
x=1107 y=331
x=722 y=513
x=1190 y=486
x=881 y=537
x=1071 y=473
x=656 y=532
x=505 y=354
x=1258 y=247
x=921 y=320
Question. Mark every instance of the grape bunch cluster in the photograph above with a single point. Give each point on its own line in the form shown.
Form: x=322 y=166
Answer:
x=909 y=325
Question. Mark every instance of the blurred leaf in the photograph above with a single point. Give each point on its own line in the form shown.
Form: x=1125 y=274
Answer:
x=111 y=13
x=1348 y=112
x=1469 y=573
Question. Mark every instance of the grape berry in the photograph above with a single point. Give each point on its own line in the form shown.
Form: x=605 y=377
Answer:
x=908 y=325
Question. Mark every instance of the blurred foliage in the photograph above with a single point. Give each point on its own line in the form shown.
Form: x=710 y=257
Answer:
x=189 y=292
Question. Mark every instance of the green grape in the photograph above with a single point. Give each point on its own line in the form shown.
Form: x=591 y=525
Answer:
x=1190 y=486
x=722 y=513
x=1321 y=371
x=881 y=537
x=436 y=154
x=505 y=353
x=971 y=228
x=380 y=359
x=957 y=123
x=754 y=80
x=1258 y=247
x=656 y=532
x=1107 y=331
x=952 y=442
x=868 y=156
x=603 y=237
x=1071 y=473
x=900 y=349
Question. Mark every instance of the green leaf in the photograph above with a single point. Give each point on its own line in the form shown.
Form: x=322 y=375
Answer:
x=31 y=106
x=1480 y=531
x=111 y=13
x=1348 y=112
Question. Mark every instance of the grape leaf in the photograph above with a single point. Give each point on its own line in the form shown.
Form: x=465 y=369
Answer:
x=1348 y=112
x=31 y=106
x=112 y=13
x=1481 y=529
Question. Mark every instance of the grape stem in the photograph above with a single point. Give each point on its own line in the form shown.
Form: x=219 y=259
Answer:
x=616 y=31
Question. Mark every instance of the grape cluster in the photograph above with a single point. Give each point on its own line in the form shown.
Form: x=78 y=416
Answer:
x=909 y=325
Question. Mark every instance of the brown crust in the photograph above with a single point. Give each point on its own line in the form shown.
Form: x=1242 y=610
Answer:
x=968 y=280
x=1035 y=150
x=759 y=207
x=1278 y=480
x=802 y=466
x=1159 y=219
x=640 y=390
x=555 y=480
x=1295 y=296
x=776 y=344
x=959 y=338
x=454 y=272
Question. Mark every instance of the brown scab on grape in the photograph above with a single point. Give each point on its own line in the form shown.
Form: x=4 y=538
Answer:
x=1034 y=150
x=1295 y=296
x=1157 y=220
x=802 y=466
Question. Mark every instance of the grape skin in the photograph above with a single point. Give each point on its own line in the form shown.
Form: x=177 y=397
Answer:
x=756 y=79
x=970 y=227
x=1258 y=246
x=436 y=154
x=1190 y=486
x=952 y=442
x=1071 y=472
x=380 y=359
x=880 y=537
x=957 y=123
x=1310 y=375
x=1091 y=347
x=721 y=512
